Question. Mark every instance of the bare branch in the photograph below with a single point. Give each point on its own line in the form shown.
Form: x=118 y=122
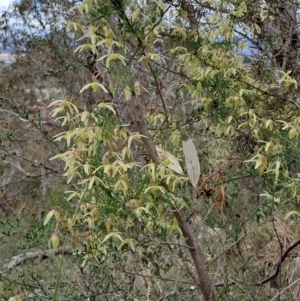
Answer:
x=43 y=254
x=284 y=255
x=237 y=241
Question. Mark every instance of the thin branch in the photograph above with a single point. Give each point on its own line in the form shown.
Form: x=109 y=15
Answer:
x=14 y=114
x=295 y=103
x=166 y=296
x=43 y=254
x=140 y=42
x=233 y=244
x=160 y=96
x=281 y=251
x=285 y=254
x=19 y=167
x=161 y=242
x=21 y=181
x=286 y=288
x=154 y=277
x=27 y=175
x=285 y=49
x=38 y=164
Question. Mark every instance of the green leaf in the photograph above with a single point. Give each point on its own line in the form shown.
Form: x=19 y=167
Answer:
x=113 y=57
x=174 y=163
x=54 y=241
x=127 y=241
x=114 y=235
x=293 y=212
x=156 y=188
x=48 y=217
x=94 y=86
x=127 y=93
x=106 y=105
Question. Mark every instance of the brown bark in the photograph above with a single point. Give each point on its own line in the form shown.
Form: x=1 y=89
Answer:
x=205 y=283
x=138 y=123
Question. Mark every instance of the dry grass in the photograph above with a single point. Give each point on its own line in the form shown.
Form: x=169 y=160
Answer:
x=268 y=257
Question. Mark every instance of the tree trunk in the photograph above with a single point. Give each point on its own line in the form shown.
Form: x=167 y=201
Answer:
x=205 y=284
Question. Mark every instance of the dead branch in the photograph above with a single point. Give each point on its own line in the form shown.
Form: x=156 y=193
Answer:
x=42 y=254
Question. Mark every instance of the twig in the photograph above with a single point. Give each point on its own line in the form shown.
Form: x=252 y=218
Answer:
x=162 y=242
x=286 y=288
x=166 y=296
x=36 y=164
x=233 y=244
x=153 y=276
x=281 y=251
x=161 y=98
x=295 y=103
x=27 y=175
x=13 y=113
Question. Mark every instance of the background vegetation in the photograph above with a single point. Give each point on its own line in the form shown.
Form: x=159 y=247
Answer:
x=150 y=150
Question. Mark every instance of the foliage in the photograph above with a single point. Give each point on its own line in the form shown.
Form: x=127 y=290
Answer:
x=184 y=120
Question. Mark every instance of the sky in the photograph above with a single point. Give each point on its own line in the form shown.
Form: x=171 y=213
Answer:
x=4 y=3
